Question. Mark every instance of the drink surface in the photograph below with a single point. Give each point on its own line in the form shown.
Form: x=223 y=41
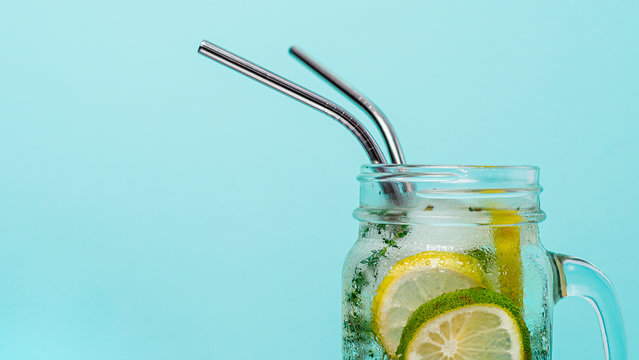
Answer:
x=396 y=273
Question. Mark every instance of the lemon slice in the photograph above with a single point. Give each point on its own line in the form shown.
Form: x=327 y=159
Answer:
x=469 y=324
x=508 y=248
x=413 y=281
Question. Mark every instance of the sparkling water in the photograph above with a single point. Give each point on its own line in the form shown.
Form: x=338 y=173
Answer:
x=381 y=245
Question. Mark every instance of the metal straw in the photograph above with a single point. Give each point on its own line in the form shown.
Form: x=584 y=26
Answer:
x=392 y=142
x=298 y=93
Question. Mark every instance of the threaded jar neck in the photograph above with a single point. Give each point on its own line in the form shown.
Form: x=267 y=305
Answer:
x=449 y=195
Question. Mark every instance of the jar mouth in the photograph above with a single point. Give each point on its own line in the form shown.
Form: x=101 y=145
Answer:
x=470 y=178
x=450 y=166
x=447 y=192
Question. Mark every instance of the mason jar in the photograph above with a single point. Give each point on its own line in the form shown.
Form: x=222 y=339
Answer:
x=448 y=265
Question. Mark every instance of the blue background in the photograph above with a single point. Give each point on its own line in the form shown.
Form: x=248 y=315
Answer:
x=156 y=205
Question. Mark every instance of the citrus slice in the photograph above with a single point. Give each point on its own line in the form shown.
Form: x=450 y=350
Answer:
x=508 y=253
x=413 y=281
x=469 y=324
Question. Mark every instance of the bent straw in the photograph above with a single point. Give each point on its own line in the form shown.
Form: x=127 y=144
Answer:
x=298 y=93
x=384 y=126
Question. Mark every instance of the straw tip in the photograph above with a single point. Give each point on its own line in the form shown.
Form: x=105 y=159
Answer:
x=203 y=44
x=294 y=49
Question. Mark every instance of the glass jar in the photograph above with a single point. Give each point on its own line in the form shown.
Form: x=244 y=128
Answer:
x=434 y=233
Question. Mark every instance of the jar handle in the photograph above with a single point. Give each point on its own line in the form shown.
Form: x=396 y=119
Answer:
x=577 y=277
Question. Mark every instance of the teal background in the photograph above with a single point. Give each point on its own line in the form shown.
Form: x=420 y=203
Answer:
x=156 y=205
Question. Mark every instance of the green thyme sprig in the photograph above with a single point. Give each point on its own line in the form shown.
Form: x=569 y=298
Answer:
x=356 y=325
x=357 y=285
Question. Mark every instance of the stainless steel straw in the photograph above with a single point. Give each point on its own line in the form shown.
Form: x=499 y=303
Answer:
x=392 y=142
x=298 y=93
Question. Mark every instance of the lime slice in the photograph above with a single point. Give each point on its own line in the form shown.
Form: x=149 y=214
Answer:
x=415 y=280
x=469 y=324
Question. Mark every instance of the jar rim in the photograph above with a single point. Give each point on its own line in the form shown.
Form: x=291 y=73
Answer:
x=457 y=176
x=447 y=193
x=445 y=166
